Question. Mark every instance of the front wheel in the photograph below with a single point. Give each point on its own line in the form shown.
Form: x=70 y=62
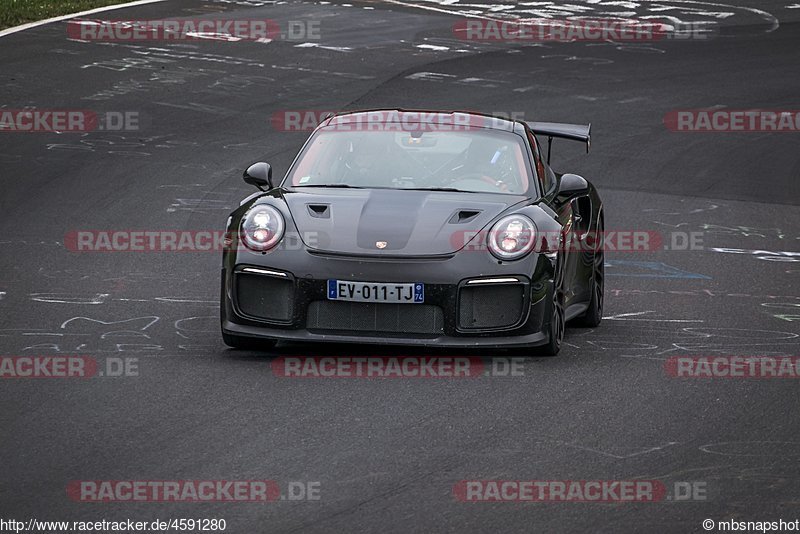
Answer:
x=556 y=329
x=594 y=314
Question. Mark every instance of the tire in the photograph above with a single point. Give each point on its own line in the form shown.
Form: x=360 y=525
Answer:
x=247 y=343
x=594 y=314
x=557 y=323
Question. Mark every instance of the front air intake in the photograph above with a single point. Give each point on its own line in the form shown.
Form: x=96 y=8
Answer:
x=264 y=297
x=489 y=306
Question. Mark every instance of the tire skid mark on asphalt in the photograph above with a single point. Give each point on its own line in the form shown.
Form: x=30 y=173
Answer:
x=770 y=449
x=607 y=454
x=636 y=316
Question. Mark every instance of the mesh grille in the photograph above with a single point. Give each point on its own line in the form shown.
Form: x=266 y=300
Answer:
x=370 y=317
x=264 y=297
x=490 y=306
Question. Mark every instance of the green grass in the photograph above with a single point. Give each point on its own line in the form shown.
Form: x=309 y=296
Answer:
x=14 y=12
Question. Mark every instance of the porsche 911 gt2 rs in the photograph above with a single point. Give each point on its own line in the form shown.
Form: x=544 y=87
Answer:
x=415 y=228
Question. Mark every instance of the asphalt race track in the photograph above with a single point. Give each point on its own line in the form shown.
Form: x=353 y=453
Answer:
x=384 y=455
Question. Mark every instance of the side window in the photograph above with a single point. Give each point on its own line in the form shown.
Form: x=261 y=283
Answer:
x=545 y=177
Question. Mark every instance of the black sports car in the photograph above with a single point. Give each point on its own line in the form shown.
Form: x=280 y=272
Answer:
x=416 y=228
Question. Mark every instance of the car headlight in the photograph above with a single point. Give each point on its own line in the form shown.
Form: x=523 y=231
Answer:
x=262 y=228
x=512 y=237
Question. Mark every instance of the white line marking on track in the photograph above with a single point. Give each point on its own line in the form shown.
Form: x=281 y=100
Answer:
x=29 y=25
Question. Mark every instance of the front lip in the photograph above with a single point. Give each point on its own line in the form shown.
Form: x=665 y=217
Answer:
x=511 y=341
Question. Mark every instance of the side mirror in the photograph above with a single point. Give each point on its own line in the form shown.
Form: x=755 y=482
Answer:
x=259 y=174
x=571 y=186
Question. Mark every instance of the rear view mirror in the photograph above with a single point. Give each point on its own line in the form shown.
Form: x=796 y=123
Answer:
x=571 y=186
x=260 y=175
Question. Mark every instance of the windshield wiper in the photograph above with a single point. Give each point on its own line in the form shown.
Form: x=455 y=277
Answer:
x=343 y=186
x=450 y=189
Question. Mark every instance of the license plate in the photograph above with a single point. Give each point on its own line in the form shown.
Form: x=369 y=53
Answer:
x=376 y=292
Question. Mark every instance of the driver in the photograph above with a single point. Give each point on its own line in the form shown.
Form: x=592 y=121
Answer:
x=370 y=158
x=484 y=159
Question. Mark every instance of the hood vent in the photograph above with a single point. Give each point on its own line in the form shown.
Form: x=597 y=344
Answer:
x=462 y=216
x=319 y=211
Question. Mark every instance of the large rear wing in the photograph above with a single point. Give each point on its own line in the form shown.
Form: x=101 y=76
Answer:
x=573 y=132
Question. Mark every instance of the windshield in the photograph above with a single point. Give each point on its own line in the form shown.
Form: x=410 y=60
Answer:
x=477 y=160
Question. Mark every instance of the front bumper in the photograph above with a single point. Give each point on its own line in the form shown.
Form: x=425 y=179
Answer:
x=284 y=297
